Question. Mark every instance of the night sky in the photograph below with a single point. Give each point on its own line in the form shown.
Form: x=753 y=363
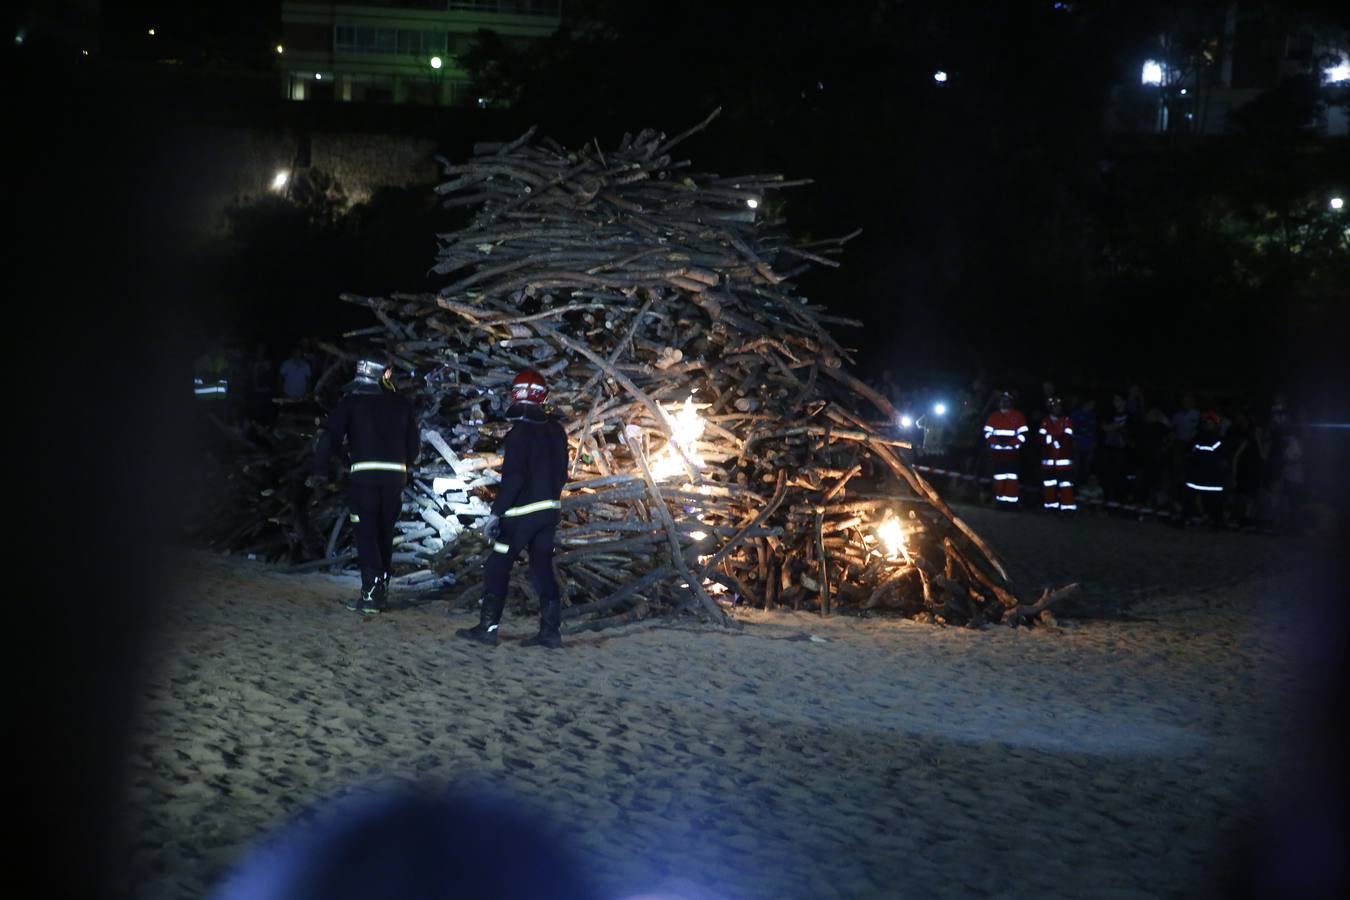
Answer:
x=1007 y=231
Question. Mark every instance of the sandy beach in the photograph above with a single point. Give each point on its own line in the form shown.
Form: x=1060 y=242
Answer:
x=1124 y=753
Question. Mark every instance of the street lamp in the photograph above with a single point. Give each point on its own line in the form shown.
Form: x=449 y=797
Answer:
x=1339 y=73
x=279 y=180
x=1338 y=203
x=435 y=62
x=940 y=76
x=1152 y=73
x=280 y=49
x=150 y=32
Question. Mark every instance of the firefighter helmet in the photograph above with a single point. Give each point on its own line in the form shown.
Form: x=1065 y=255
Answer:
x=370 y=371
x=528 y=387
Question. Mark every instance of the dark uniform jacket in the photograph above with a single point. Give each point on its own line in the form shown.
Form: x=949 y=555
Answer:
x=534 y=463
x=1206 y=464
x=380 y=429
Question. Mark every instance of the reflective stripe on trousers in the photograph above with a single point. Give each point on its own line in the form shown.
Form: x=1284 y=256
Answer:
x=528 y=508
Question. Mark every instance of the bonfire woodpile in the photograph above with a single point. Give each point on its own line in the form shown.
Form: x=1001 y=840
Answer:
x=722 y=453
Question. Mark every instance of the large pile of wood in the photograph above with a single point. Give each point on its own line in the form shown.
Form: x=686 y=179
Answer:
x=722 y=453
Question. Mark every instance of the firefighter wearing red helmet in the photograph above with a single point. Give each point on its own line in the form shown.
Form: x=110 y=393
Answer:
x=526 y=512
x=1206 y=472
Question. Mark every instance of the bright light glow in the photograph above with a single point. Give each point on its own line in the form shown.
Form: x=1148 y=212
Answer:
x=482 y=103
x=1337 y=202
x=280 y=49
x=1152 y=72
x=906 y=421
x=686 y=427
x=1182 y=92
x=752 y=203
x=435 y=62
x=698 y=535
x=940 y=408
x=318 y=76
x=84 y=52
x=279 y=180
x=1339 y=73
x=940 y=76
x=150 y=32
x=18 y=36
x=892 y=535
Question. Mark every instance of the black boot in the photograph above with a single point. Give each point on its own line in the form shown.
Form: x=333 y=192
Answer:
x=550 y=618
x=367 y=602
x=489 y=616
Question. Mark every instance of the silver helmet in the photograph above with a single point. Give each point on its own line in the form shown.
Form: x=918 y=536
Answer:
x=369 y=371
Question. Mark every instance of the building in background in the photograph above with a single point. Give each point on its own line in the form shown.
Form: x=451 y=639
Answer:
x=397 y=52
x=1195 y=77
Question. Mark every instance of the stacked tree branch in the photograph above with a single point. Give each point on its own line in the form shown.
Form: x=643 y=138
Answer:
x=721 y=451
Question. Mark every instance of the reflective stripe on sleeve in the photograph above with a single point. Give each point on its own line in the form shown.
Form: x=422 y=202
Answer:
x=532 y=507
x=1204 y=487
x=499 y=547
x=379 y=467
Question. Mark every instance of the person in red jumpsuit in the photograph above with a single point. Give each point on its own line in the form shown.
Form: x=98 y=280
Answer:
x=1005 y=433
x=1057 y=459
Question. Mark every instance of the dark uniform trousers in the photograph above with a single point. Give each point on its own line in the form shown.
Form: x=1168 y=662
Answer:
x=375 y=507
x=534 y=533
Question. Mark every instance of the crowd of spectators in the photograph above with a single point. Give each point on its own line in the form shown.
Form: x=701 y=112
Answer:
x=1131 y=450
x=242 y=384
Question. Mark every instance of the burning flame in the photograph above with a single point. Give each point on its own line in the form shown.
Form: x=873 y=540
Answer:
x=892 y=536
x=686 y=427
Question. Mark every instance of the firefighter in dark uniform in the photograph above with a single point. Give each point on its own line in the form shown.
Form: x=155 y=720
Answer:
x=380 y=429
x=1206 y=473
x=526 y=512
